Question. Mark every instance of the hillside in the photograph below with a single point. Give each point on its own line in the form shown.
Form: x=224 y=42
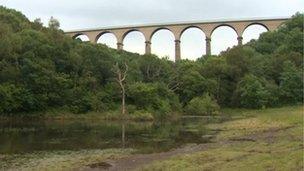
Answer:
x=42 y=69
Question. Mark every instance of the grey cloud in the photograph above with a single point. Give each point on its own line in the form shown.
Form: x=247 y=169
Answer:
x=121 y=12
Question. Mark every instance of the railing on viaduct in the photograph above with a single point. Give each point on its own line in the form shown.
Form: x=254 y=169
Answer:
x=177 y=29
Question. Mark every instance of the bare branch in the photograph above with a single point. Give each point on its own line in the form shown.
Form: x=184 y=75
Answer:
x=120 y=80
x=125 y=73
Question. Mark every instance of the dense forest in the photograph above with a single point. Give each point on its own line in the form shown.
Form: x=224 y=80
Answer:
x=42 y=69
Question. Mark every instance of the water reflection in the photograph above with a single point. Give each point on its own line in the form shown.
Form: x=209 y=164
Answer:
x=123 y=135
x=28 y=136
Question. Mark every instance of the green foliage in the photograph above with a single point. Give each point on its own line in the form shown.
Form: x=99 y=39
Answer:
x=252 y=92
x=154 y=69
x=289 y=38
x=41 y=68
x=15 y=99
x=16 y=20
x=291 y=84
x=202 y=106
x=154 y=97
x=191 y=82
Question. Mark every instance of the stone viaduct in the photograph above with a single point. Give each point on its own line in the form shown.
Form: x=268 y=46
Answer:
x=177 y=29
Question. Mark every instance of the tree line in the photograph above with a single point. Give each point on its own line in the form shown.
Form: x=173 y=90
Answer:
x=42 y=69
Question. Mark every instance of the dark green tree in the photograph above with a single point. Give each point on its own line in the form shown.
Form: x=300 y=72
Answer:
x=291 y=84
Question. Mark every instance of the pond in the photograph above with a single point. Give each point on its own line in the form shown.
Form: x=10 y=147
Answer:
x=27 y=136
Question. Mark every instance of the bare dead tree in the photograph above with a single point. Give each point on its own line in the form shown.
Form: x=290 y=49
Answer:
x=121 y=74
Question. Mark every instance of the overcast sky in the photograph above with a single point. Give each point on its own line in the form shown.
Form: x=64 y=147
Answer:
x=80 y=14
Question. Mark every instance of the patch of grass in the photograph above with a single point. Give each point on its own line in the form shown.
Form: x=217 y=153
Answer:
x=244 y=127
x=141 y=116
x=277 y=145
x=255 y=121
x=59 y=160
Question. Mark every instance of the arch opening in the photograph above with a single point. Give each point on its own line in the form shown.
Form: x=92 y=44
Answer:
x=225 y=26
x=253 y=31
x=81 y=37
x=108 y=39
x=222 y=38
x=163 y=43
x=193 y=44
x=134 y=41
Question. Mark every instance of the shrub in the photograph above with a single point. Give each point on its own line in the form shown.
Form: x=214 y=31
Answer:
x=291 y=84
x=161 y=108
x=80 y=101
x=273 y=98
x=131 y=108
x=153 y=97
x=102 y=101
x=141 y=115
x=202 y=106
x=142 y=94
x=15 y=99
x=251 y=92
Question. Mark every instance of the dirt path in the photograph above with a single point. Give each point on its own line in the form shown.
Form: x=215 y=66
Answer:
x=137 y=161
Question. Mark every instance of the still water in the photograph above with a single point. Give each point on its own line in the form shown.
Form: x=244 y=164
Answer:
x=36 y=135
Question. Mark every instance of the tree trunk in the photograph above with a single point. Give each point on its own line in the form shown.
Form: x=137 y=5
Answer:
x=121 y=77
x=123 y=101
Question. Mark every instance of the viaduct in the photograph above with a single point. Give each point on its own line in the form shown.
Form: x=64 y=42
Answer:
x=177 y=29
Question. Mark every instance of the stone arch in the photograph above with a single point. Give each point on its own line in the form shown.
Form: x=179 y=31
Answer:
x=132 y=30
x=189 y=27
x=136 y=45
x=107 y=38
x=255 y=23
x=253 y=31
x=80 y=34
x=188 y=46
x=223 y=38
x=103 y=33
x=221 y=25
x=165 y=45
x=161 y=28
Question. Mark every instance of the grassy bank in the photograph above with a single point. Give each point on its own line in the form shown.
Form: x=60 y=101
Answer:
x=270 y=139
x=58 y=114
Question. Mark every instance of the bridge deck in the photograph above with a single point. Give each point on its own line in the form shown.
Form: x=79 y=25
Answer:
x=217 y=21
